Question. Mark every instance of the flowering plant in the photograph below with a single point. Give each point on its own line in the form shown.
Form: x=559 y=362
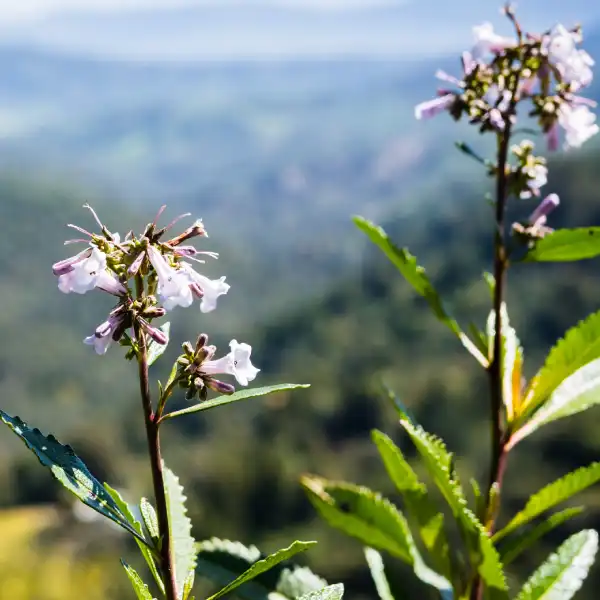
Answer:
x=150 y=275
x=535 y=77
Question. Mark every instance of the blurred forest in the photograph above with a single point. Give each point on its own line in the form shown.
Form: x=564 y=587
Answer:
x=317 y=303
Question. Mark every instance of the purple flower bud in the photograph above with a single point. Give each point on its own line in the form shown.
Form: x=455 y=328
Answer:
x=136 y=264
x=220 y=386
x=196 y=290
x=201 y=341
x=186 y=251
x=67 y=265
x=545 y=207
x=429 y=109
x=156 y=334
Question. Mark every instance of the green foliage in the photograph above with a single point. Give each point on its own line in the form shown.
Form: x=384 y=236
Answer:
x=417 y=501
x=372 y=519
x=566 y=245
x=257 y=568
x=144 y=549
x=223 y=561
x=156 y=350
x=407 y=264
x=235 y=397
x=150 y=519
x=332 y=592
x=69 y=470
x=180 y=531
x=554 y=493
x=563 y=573
x=375 y=562
x=580 y=346
x=439 y=464
x=141 y=589
x=522 y=541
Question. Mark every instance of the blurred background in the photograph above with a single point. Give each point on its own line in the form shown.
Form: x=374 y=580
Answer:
x=274 y=121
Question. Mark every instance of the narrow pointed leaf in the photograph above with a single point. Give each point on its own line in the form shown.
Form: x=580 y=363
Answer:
x=140 y=588
x=524 y=540
x=372 y=519
x=223 y=561
x=563 y=573
x=183 y=547
x=417 y=502
x=263 y=565
x=150 y=519
x=144 y=549
x=156 y=350
x=70 y=471
x=375 y=562
x=415 y=275
x=554 y=493
x=439 y=463
x=332 y=592
x=565 y=245
x=580 y=346
x=235 y=397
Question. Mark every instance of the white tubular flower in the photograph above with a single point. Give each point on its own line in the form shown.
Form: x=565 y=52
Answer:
x=173 y=285
x=430 y=108
x=103 y=336
x=89 y=273
x=574 y=65
x=579 y=123
x=487 y=41
x=537 y=178
x=211 y=288
x=236 y=363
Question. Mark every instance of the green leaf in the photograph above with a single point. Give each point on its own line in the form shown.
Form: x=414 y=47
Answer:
x=70 y=471
x=145 y=550
x=511 y=362
x=236 y=397
x=563 y=573
x=182 y=543
x=417 y=501
x=140 y=588
x=331 y=592
x=263 y=565
x=156 y=350
x=551 y=495
x=372 y=519
x=150 y=519
x=375 y=562
x=565 y=245
x=521 y=542
x=415 y=275
x=439 y=463
x=222 y=561
x=580 y=346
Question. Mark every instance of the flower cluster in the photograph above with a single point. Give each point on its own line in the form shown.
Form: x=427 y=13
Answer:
x=549 y=69
x=151 y=276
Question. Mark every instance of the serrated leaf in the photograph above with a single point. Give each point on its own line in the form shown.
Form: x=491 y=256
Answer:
x=70 y=471
x=183 y=548
x=156 y=350
x=563 y=573
x=372 y=519
x=439 y=464
x=150 y=519
x=235 y=397
x=263 y=565
x=580 y=346
x=144 y=549
x=417 y=502
x=521 y=542
x=576 y=393
x=189 y=584
x=565 y=245
x=331 y=592
x=140 y=588
x=222 y=561
x=511 y=361
x=375 y=562
x=415 y=275
x=554 y=493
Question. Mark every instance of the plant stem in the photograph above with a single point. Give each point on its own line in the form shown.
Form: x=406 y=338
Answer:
x=156 y=465
x=498 y=450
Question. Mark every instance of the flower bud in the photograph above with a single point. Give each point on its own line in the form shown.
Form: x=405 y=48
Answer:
x=220 y=386
x=136 y=264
